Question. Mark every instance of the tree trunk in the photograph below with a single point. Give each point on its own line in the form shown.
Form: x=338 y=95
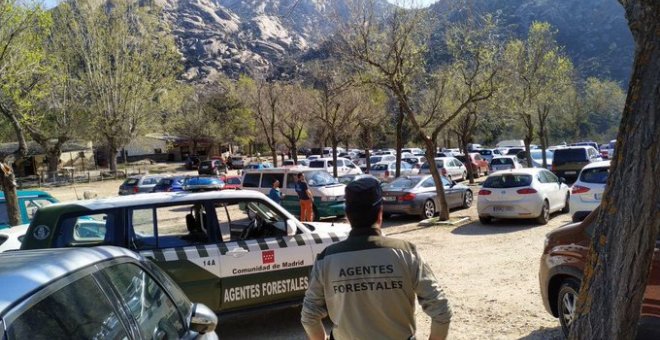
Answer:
x=528 y=154
x=273 y=154
x=334 y=158
x=367 y=155
x=294 y=152
x=468 y=163
x=8 y=183
x=112 y=158
x=53 y=156
x=399 y=141
x=627 y=223
x=443 y=210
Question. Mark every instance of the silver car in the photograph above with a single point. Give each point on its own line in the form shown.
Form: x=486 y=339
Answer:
x=416 y=195
x=139 y=184
x=95 y=293
x=449 y=167
x=386 y=171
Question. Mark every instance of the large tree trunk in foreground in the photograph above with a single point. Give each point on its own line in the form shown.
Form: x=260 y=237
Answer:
x=8 y=185
x=627 y=224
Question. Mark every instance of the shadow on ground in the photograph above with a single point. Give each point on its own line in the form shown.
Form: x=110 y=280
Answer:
x=273 y=324
x=545 y=334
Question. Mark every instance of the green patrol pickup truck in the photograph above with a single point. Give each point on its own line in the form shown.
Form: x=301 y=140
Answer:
x=230 y=250
x=327 y=191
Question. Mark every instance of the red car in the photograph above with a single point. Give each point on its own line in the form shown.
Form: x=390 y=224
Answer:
x=231 y=182
x=479 y=164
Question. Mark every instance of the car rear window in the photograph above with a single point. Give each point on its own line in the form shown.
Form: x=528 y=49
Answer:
x=403 y=183
x=131 y=181
x=375 y=159
x=166 y=181
x=570 y=155
x=317 y=164
x=508 y=181
x=438 y=164
x=205 y=163
x=379 y=167
x=233 y=180
x=595 y=175
x=485 y=152
x=498 y=161
x=461 y=158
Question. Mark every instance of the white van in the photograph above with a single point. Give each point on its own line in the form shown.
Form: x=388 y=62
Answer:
x=328 y=193
x=511 y=143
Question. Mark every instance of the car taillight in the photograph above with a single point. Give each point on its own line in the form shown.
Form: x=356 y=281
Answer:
x=136 y=190
x=484 y=192
x=387 y=173
x=578 y=189
x=407 y=197
x=526 y=191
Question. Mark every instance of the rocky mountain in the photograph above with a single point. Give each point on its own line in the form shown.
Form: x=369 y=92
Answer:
x=258 y=36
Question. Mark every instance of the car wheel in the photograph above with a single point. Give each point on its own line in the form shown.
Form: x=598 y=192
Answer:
x=485 y=219
x=545 y=214
x=567 y=303
x=467 y=199
x=567 y=204
x=428 y=210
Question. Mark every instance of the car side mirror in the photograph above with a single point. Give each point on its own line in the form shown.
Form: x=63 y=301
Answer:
x=291 y=228
x=203 y=319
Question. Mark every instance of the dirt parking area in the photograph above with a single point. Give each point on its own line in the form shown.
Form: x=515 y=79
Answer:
x=489 y=273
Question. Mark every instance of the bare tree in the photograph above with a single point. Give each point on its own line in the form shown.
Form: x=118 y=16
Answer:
x=298 y=103
x=390 y=52
x=627 y=223
x=264 y=98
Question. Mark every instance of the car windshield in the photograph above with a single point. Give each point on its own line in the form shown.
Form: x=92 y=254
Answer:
x=379 y=167
x=375 y=159
x=460 y=158
x=595 y=175
x=571 y=155
x=508 y=181
x=498 y=161
x=485 y=152
x=319 y=178
x=403 y=183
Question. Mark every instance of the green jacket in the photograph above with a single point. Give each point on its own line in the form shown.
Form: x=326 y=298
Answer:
x=367 y=286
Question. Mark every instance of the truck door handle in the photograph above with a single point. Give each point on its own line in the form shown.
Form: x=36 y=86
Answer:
x=237 y=252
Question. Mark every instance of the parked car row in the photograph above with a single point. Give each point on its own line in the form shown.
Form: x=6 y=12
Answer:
x=157 y=183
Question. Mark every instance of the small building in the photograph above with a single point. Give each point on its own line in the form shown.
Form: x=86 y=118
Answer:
x=75 y=154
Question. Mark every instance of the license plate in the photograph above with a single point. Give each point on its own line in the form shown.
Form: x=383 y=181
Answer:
x=502 y=209
x=570 y=172
x=598 y=196
x=389 y=198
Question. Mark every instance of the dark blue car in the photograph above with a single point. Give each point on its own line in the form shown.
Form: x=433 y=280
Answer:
x=170 y=184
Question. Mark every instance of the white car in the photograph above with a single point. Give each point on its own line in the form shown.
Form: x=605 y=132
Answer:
x=505 y=163
x=488 y=154
x=10 y=238
x=344 y=166
x=449 y=167
x=587 y=191
x=522 y=193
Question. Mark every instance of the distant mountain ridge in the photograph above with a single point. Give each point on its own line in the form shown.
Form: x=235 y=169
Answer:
x=259 y=36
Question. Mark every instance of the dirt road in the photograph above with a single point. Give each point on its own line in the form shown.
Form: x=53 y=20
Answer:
x=490 y=274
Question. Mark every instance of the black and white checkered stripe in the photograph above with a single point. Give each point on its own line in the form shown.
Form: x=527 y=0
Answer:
x=213 y=250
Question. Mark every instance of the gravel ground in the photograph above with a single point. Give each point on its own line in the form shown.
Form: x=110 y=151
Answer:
x=489 y=273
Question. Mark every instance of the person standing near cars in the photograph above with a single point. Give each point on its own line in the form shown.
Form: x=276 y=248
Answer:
x=275 y=194
x=305 y=197
x=367 y=284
